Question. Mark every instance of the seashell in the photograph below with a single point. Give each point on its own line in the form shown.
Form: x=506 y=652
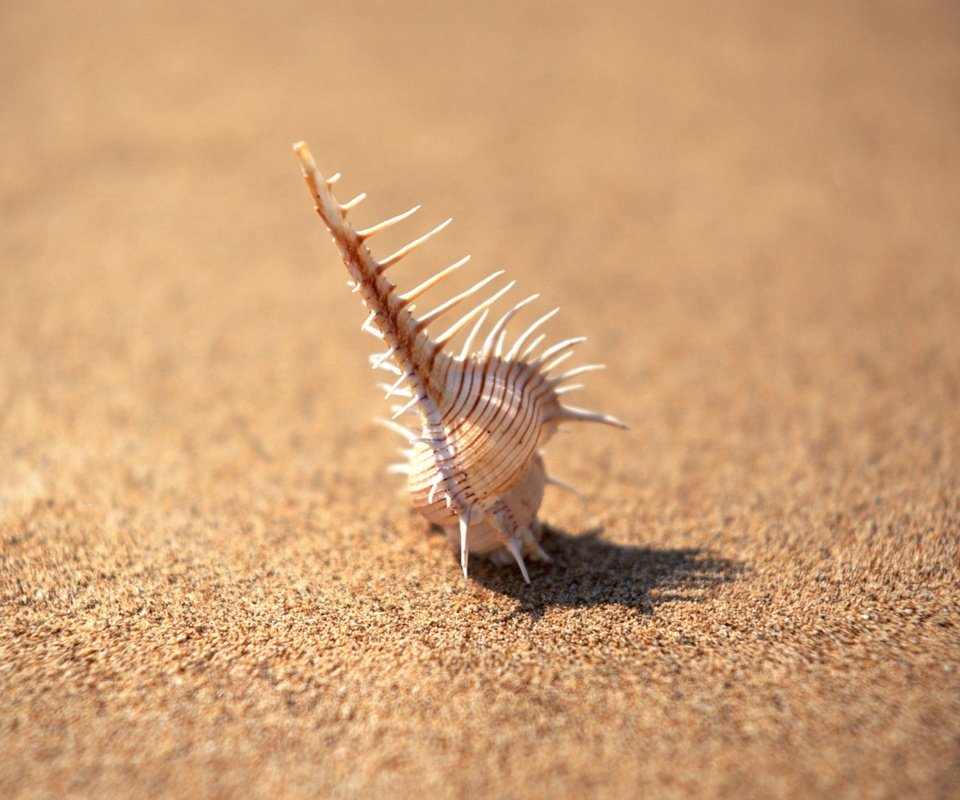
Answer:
x=473 y=464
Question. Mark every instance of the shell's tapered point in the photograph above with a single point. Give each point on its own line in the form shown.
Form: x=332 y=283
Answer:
x=474 y=465
x=306 y=157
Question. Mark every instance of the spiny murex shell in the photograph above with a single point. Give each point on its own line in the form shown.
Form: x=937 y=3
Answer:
x=473 y=466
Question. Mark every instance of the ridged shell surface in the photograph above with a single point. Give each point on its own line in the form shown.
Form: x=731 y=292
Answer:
x=473 y=464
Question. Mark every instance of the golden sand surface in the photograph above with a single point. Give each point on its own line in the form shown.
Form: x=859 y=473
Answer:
x=210 y=587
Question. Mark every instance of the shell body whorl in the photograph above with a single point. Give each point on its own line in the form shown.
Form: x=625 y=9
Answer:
x=473 y=464
x=495 y=415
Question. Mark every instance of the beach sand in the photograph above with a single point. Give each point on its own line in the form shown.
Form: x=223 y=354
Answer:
x=211 y=588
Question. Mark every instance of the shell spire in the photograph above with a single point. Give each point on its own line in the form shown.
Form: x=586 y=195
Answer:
x=473 y=459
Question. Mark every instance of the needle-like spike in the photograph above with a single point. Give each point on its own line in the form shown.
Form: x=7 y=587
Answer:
x=398 y=469
x=530 y=541
x=464 y=550
x=582 y=415
x=428 y=284
x=351 y=204
x=501 y=324
x=473 y=334
x=557 y=362
x=574 y=372
x=562 y=484
x=513 y=545
x=450 y=332
x=388 y=365
x=540 y=553
x=396 y=388
x=403 y=391
x=332 y=179
x=559 y=347
x=401 y=410
x=378 y=361
x=571 y=388
x=533 y=346
x=366 y=233
x=393 y=258
x=433 y=489
x=396 y=427
x=427 y=318
x=527 y=333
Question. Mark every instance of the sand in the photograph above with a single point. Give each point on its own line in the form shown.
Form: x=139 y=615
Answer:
x=211 y=588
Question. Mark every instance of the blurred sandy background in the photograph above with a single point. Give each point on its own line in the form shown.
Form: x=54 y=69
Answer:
x=209 y=586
